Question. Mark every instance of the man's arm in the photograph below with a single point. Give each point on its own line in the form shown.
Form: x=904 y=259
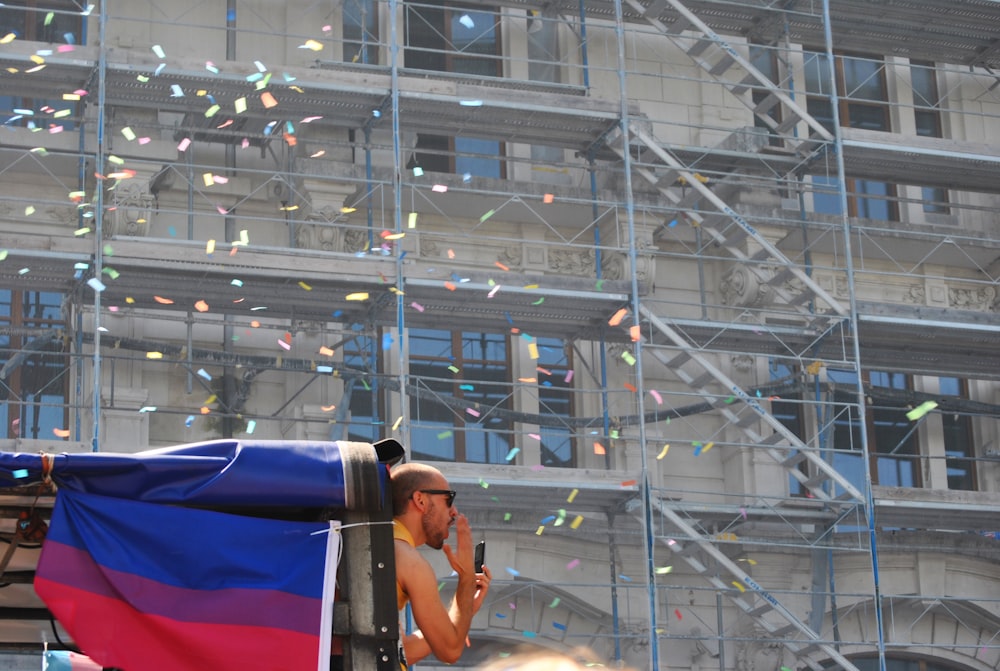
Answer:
x=443 y=630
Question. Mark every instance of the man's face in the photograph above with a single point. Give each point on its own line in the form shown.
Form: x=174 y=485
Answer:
x=437 y=519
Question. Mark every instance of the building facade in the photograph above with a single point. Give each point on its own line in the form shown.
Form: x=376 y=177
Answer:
x=695 y=302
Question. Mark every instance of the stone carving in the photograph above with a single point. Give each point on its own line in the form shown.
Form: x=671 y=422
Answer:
x=322 y=235
x=741 y=288
x=132 y=209
x=972 y=298
x=355 y=240
x=573 y=262
x=511 y=257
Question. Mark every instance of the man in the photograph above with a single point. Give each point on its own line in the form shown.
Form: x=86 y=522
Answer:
x=424 y=510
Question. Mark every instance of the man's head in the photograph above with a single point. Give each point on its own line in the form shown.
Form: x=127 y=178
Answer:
x=421 y=497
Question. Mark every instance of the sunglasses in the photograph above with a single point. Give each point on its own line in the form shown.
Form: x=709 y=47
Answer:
x=448 y=493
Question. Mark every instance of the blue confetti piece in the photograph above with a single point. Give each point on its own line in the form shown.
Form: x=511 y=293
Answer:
x=189 y=421
x=514 y=572
x=559 y=625
x=530 y=634
x=550 y=518
x=501 y=616
x=324 y=369
x=466 y=387
x=386 y=341
x=204 y=373
x=625 y=578
x=20 y=473
x=509 y=320
x=337 y=313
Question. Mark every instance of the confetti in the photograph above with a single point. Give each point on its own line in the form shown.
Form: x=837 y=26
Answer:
x=629 y=359
x=663 y=452
x=738 y=586
x=158 y=50
x=599 y=448
x=616 y=319
x=268 y=100
x=20 y=473
x=201 y=306
x=358 y=296
x=656 y=396
x=548 y=198
x=95 y=284
x=417 y=306
x=663 y=570
x=677 y=612
x=512 y=453
x=128 y=133
x=306 y=287
x=61 y=433
x=572 y=495
x=573 y=564
x=921 y=410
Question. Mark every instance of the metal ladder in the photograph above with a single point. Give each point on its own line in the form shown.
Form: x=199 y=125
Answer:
x=736 y=73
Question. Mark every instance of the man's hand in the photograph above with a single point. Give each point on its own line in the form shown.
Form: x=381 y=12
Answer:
x=461 y=559
x=482 y=588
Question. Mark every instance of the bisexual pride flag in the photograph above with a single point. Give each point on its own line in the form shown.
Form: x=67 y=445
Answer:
x=151 y=587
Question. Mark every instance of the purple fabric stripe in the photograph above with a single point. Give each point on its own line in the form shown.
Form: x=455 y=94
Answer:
x=251 y=607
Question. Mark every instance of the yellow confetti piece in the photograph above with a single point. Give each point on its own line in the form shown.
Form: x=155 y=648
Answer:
x=36 y=59
x=306 y=286
x=533 y=350
x=313 y=45
x=210 y=247
x=358 y=296
x=154 y=355
x=738 y=586
x=8 y=38
x=399 y=420
x=663 y=452
x=663 y=570
x=540 y=529
x=707 y=447
x=572 y=495
x=128 y=133
x=577 y=521
x=240 y=105
x=29 y=210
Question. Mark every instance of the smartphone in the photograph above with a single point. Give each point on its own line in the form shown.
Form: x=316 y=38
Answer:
x=480 y=556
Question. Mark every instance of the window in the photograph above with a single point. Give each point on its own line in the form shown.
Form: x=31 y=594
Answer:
x=53 y=22
x=361 y=392
x=34 y=380
x=927 y=116
x=555 y=401
x=892 y=439
x=958 y=447
x=464 y=41
x=360 y=20
x=863 y=98
x=462 y=380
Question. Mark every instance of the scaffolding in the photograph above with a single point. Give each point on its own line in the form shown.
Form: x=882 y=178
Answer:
x=694 y=302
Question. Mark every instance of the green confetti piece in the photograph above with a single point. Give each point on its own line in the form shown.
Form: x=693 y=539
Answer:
x=506 y=517
x=921 y=410
x=487 y=216
x=443 y=435
x=629 y=359
x=555 y=602
x=539 y=301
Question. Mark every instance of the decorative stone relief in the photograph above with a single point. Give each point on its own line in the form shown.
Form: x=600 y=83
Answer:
x=972 y=298
x=132 y=209
x=741 y=288
x=573 y=262
x=355 y=240
x=322 y=234
x=510 y=256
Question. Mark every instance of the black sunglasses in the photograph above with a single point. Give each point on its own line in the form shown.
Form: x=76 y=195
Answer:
x=448 y=493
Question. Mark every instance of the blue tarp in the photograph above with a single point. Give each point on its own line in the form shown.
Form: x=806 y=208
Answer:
x=212 y=473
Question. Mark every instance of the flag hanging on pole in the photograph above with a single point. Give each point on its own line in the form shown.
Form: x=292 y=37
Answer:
x=149 y=587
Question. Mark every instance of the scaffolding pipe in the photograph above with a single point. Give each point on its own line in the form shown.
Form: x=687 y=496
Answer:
x=644 y=486
x=853 y=320
x=102 y=70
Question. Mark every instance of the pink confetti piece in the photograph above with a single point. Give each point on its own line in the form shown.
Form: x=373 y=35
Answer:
x=569 y=376
x=535 y=436
x=284 y=345
x=184 y=144
x=417 y=306
x=656 y=396
x=573 y=564
x=472 y=411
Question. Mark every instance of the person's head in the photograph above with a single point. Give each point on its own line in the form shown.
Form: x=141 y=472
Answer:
x=421 y=496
